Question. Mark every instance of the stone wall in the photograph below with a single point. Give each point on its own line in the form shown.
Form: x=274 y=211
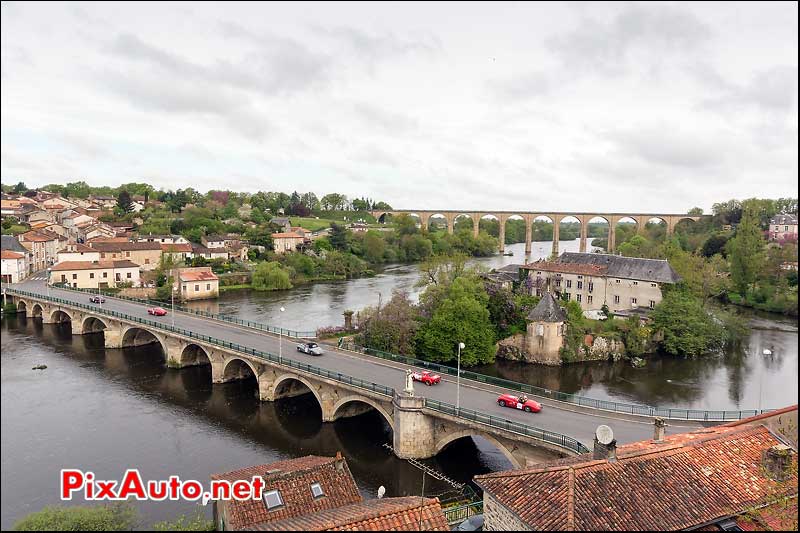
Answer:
x=515 y=348
x=138 y=292
x=497 y=517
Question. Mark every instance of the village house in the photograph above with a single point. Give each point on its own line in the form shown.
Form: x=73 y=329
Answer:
x=319 y=494
x=198 y=250
x=96 y=274
x=11 y=266
x=734 y=477
x=177 y=252
x=783 y=228
x=145 y=254
x=594 y=280
x=92 y=231
x=163 y=239
x=78 y=252
x=43 y=246
x=287 y=242
x=197 y=283
x=282 y=222
x=108 y=202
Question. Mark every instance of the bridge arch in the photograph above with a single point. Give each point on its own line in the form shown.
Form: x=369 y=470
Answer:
x=284 y=388
x=37 y=311
x=449 y=439
x=22 y=307
x=93 y=324
x=59 y=316
x=438 y=216
x=365 y=400
x=459 y=220
x=237 y=368
x=137 y=336
x=194 y=355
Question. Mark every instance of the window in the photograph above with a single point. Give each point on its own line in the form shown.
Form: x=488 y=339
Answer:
x=616 y=280
x=635 y=282
x=102 y=255
x=616 y=299
x=633 y=301
x=589 y=299
x=105 y=274
x=652 y=304
x=578 y=298
x=558 y=283
x=63 y=278
x=129 y=275
x=580 y=284
x=591 y=286
x=273 y=500
x=208 y=286
x=653 y=285
x=91 y=275
x=580 y=277
x=146 y=260
x=127 y=254
x=74 y=276
x=196 y=288
x=316 y=490
x=569 y=283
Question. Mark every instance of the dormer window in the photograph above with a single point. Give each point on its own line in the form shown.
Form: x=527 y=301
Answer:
x=316 y=491
x=273 y=500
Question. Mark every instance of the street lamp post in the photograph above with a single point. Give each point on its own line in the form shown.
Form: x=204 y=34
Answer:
x=461 y=346
x=47 y=282
x=280 y=337
x=172 y=298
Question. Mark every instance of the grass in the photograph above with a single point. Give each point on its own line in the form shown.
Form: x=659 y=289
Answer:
x=312 y=224
x=224 y=288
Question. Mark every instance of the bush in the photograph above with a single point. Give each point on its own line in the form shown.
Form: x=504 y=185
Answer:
x=270 y=276
x=117 y=517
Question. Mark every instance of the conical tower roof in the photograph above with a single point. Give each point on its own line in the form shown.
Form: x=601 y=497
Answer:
x=547 y=310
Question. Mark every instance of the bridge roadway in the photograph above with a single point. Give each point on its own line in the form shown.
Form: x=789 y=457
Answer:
x=568 y=420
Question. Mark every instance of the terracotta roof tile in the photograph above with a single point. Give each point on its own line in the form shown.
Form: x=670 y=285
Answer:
x=409 y=513
x=174 y=248
x=92 y=265
x=198 y=276
x=293 y=478
x=688 y=480
x=8 y=254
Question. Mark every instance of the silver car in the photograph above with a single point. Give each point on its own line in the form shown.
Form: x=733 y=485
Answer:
x=311 y=348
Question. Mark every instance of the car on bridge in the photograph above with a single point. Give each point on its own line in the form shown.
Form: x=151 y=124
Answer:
x=96 y=299
x=523 y=403
x=426 y=377
x=311 y=348
x=157 y=311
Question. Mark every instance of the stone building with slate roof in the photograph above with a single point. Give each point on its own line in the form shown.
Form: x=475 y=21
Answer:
x=592 y=280
x=319 y=494
x=740 y=476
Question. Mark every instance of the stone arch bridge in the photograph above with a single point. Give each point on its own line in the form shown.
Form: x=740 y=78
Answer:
x=419 y=431
x=640 y=219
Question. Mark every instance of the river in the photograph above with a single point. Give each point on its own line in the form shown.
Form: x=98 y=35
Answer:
x=108 y=410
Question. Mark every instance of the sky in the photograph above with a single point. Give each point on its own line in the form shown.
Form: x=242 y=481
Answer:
x=614 y=107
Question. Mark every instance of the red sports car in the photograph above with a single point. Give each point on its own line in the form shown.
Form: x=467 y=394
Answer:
x=157 y=311
x=522 y=403
x=426 y=377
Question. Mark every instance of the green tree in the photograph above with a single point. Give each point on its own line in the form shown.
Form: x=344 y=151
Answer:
x=124 y=202
x=194 y=522
x=746 y=250
x=374 y=247
x=688 y=329
x=392 y=327
x=461 y=316
x=339 y=237
x=117 y=517
x=270 y=276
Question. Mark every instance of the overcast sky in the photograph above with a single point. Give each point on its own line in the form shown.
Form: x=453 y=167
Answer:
x=612 y=107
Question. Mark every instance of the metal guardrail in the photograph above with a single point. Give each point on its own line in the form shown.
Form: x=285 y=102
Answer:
x=583 y=401
x=456 y=515
x=246 y=323
x=515 y=427
x=468 y=414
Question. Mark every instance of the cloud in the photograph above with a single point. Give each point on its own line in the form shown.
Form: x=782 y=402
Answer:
x=652 y=32
x=374 y=49
x=772 y=90
x=381 y=120
x=668 y=145
x=522 y=87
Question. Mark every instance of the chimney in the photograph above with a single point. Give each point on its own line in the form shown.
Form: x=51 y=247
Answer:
x=659 y=430
x=606 y=452
x=339 y=462
x=776 y=461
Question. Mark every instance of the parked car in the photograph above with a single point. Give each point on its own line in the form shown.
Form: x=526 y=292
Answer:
x=157 y=311
x=426 y=377
x=311 y=348
x=522 y=403
x=96 y=299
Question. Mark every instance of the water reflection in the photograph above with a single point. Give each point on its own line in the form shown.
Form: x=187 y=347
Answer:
x=109 y=410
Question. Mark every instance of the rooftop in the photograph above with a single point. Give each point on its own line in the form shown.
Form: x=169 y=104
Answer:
x=293 y=478
x=409 y=513
x=688 y=480
x=8 y=254
x=547 y=310
x=566 y=268
x=124 y=245
x=174 y=248
x=784 y=218
x=198 y=276
x=10 y=242
x=617 y=266
x=288 y=235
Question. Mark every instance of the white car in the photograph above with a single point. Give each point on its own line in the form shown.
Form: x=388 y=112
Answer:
x=311 y=348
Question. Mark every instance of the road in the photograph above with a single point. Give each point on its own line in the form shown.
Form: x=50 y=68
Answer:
x=579 y=425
